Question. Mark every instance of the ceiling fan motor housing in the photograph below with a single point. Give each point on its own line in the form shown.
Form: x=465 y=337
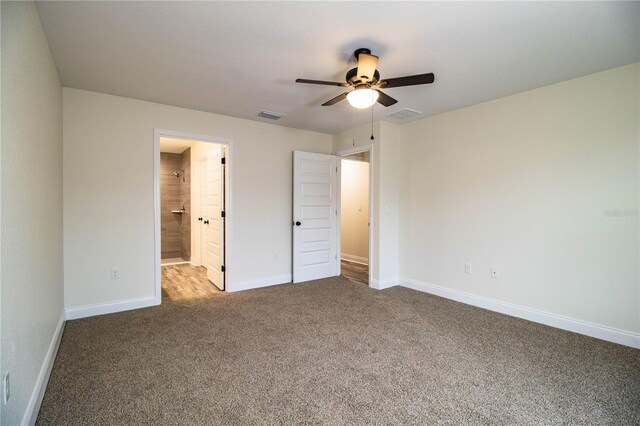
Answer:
x=361 y=50
x=353 y=80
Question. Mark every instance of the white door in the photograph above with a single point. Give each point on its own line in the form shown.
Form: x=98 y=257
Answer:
x=197 y=195
x=315 y=242
x=204 y=211
x=213 y=229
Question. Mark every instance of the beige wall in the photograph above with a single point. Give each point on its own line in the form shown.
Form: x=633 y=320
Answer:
x=108 y=197
x=531 y=184
x=31 y=238
x=390 y=185
x=354 y=210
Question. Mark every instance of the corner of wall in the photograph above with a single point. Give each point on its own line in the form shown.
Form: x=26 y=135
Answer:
x=32 y=299
x=389 y=207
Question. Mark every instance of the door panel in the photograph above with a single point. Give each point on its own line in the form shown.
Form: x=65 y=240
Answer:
x=214 y=226
x=314 y=207
x=204 y=213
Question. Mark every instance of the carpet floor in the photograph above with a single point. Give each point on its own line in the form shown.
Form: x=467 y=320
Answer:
x=334 y=352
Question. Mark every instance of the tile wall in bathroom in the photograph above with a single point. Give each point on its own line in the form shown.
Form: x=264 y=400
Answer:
x=175 y=228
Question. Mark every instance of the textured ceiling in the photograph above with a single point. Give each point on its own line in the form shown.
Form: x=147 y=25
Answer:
x=237 y=58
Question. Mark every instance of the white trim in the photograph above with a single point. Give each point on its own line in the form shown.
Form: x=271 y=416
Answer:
x=33 y=407
x=228 y=244
x=610 y=334
x=338 y=211
x=263 y=282
x=344 y=153
x=382 y=284
x=354 y=259
x=157 y=255
x=355 y=150
x=110 y=308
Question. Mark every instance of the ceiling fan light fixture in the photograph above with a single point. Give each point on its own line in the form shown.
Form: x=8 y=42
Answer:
x=362 y=98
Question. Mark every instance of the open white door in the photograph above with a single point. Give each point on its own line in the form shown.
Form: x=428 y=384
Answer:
x=204 y=213
x=315 y=236
x=213 y=229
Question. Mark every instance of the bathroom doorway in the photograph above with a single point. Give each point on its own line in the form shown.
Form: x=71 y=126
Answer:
x=175 y=200
x=192 y=210
x=355 y=202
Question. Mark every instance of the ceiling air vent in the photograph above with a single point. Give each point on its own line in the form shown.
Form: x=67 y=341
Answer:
x=270 y=115
x=403 y=114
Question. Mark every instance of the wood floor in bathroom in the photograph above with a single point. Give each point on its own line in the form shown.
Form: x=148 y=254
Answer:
x=185 y=281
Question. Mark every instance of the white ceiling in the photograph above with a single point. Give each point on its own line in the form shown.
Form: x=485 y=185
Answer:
x=237 y=58
x=175 y=146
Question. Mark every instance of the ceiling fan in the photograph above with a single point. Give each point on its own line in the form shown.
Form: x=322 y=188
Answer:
x=366 y=83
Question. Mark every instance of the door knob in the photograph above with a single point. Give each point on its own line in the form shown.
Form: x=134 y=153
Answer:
x=298 y=223
x=200 y=219
x=206 y=222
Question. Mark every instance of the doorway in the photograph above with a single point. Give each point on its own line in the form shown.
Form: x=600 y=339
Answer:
x=355 y=218
x=193 y=215
x=318 y=216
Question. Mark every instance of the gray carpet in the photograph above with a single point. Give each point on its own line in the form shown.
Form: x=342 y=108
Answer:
x=334 y=352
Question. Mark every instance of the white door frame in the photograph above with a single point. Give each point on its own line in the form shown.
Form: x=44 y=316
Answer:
x=346 y=153
x=228 y=244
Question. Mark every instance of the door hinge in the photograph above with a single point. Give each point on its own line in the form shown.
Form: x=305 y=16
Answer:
x=222 y=268
x=222 y=213
x=336 y=257
x=223 y=160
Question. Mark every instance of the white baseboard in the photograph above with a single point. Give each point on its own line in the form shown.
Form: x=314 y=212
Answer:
x=610 y=334
x=353 y=258
x=33 y=407
x=110 y=308
x=382 y=284
x=263 y=282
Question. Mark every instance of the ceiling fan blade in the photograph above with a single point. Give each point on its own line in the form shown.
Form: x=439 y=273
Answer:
x=336 y=99
x=366 y=66
x=326 y=83
x=410 y=80
x=385 y=99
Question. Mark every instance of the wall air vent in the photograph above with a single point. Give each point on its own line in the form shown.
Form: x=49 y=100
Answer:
x=403 y=114
x=270 y=115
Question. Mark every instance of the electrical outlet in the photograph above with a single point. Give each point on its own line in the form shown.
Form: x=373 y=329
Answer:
x=467 y=268
x=115 y=274
x=6 y=389
x=494 y=272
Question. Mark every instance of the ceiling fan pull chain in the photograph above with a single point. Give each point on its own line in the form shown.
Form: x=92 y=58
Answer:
x=372 y=123
x=353 y=127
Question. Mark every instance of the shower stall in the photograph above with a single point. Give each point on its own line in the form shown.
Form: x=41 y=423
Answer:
x=175 y=206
